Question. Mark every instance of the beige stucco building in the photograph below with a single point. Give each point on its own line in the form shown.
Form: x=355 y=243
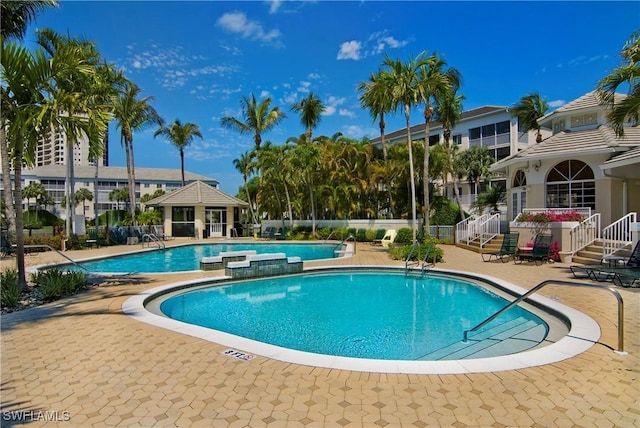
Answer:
x=581 y=165
x=201 y=211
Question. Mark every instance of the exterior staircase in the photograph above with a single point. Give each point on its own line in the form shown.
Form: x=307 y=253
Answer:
x=492 y=246
x=592 y=254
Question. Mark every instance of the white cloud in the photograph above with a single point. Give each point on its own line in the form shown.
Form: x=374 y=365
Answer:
x=274 y=5
x=350 y=50
x=376 y=43
x=556 y=103
x=237 y=23
x=314 y=76
x=265 y=94
x=331 y=105
x=346 y=113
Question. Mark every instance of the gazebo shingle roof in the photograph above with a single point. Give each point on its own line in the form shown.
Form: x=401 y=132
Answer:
x=197 y=193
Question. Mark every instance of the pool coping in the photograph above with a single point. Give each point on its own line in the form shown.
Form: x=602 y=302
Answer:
x=583 y=333
x=33 y=269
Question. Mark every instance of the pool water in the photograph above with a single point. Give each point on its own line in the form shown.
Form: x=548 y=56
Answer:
x=187 y=258
x=363 y=314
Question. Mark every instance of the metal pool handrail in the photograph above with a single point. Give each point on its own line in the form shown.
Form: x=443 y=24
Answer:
x=620 y=349
x=59 y=252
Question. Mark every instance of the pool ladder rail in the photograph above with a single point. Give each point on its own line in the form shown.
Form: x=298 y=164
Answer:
x=425 y=265
x=149 y=238
x=613 y=291
x=338 y=250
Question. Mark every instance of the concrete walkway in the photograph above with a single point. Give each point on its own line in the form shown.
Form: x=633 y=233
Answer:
x=81 y=362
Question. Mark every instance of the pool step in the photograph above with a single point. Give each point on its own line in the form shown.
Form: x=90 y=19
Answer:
x=513 y=336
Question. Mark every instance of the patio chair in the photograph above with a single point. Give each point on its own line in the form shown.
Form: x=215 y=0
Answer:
x=539 y=252
x=508 y=248
x=617 y=274
x=379 y=235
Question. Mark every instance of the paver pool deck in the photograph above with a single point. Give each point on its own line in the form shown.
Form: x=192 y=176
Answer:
x=84 y=359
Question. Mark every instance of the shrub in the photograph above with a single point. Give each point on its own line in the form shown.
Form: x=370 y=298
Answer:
x=404 y=236
x=370 y=235
x=401 y=252
x=360 y=235
x=10 y=292
x=53 y=283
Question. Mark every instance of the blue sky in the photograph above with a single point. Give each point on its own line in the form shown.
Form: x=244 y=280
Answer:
x=197 y=59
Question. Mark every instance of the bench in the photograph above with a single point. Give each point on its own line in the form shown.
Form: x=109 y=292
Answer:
x=259 y=265
x=221 y=260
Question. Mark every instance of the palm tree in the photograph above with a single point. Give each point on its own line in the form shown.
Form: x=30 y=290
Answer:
x=475 y=163
x=16 y=15
x=87 y=115
x=305 y=158
x=180 y=136
x=31 y=106
x=448 y=110
x=528 y=110
x=132 y=114
x=435 y=82
x=81 y=196
x=246 y=166
x=310 y=109
x=377 y=98
x=628 y=73
x=33 y=190
x=404 y=79
x=258 y=118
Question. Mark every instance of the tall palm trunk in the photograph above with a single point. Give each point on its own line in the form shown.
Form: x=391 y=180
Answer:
x=382 y=138
x=407 y=112
x=69 y=190
x=17 y=197
x=182 y=164
x=286 y=191
x=7 y=182
x=427 y=205
x=246 y=189
x=131 y=179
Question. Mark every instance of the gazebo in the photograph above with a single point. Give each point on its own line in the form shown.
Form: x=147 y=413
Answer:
x=199 y=210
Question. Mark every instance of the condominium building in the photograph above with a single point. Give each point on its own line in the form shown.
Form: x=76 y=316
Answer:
x=487 y=126
x=105 y=179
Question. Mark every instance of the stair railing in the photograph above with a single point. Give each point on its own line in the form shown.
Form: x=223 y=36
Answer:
x=613 y=291
x=585 y=233
x=489 y=229
x=617 y=235
x=462 y=229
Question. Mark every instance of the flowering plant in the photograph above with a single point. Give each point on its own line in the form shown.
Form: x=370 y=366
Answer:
x=549 y=217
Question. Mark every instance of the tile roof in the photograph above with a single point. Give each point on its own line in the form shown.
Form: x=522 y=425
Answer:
x=197 y=193
x=629 y=157
x=117 y=173
x=418 y=129
x=599 y=140
x=589 y=100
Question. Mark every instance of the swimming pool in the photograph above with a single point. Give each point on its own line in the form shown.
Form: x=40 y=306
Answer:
x=187 y=257
x=375 y=314
x=570 y=332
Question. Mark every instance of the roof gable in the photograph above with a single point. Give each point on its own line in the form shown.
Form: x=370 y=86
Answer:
x=197 y=193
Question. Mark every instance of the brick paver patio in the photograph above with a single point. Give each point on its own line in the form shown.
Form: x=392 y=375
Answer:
x=81 y=361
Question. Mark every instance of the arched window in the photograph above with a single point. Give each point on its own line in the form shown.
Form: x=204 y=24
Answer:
x=518 y=193
x=571 y=184
x=519 y=179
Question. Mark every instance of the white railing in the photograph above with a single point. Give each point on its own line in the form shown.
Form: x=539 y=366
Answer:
x=617 y=235
x=489 y=229
x=585 y=233
x=473 y=228
x=462 y=229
